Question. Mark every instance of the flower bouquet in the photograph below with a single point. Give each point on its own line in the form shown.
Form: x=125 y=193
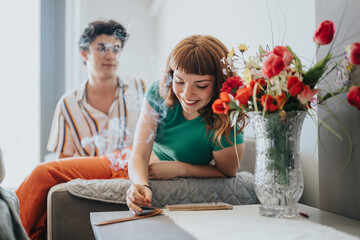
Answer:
x=277 y=91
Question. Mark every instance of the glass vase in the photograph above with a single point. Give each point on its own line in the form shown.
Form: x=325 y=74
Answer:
x=279 y=179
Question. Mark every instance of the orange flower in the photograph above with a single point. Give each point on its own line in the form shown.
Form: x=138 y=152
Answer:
x=252 y=83
x=269 y=105
x=225 y=97
x=281 y=100
x=220 y=106
x=242 y=96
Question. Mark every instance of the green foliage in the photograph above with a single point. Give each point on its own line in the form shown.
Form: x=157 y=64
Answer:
x=234 y=117
x=313 y=75
x=279 y=152
x=297 y=62
x=293 y=105
x=331 y=94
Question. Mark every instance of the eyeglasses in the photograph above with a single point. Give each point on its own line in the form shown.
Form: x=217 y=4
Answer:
x=105 y=47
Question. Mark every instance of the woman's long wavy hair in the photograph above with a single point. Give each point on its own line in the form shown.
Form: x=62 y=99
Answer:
x=201 y=55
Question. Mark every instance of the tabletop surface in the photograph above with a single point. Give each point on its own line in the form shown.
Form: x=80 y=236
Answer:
x=243 y=221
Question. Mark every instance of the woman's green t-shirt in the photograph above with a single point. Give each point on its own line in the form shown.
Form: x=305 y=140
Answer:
x=179 y=139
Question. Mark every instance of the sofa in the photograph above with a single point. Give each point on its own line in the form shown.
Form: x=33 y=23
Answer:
x=69 y=204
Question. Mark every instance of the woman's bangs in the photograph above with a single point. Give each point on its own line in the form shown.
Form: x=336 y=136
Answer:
x=193 y=61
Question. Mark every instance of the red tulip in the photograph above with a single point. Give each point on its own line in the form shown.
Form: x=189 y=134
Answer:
x=284 y=53
x=294 y=85
x=273 y=65
x=355 y=53
x=324 y=34
x=353 y=96
x=276 y=61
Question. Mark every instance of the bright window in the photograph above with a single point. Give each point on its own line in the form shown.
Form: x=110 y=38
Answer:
x=19 y=88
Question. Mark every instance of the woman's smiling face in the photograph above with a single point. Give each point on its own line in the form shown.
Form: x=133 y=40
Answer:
x=193 y=92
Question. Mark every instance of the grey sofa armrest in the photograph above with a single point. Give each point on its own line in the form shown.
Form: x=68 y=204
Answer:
x=69 y=216
x=248 y=160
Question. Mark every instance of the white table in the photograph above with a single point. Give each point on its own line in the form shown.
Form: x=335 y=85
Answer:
x=243 y=222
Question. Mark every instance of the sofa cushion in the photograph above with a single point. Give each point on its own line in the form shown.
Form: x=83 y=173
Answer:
x=236 y=191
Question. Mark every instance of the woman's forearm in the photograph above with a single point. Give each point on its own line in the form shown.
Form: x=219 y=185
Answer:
x=164 y=170
x=201 y=171
x=138 y=170
x=140 y=157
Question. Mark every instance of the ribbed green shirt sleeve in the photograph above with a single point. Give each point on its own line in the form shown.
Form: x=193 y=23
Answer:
x=225 y=143
x=153 y=97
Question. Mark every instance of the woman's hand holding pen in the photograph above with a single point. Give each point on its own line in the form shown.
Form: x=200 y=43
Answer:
x=138 y=195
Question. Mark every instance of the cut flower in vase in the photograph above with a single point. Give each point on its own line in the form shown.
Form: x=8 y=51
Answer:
x=277 y=91
x=277 y=82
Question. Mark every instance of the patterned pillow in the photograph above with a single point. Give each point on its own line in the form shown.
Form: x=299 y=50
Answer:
x=236 y=191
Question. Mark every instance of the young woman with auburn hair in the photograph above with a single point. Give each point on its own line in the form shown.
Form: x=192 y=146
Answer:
x=185 y=133
x=177 y=135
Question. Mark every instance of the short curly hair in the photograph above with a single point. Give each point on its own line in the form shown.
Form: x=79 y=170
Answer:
x=97 y=28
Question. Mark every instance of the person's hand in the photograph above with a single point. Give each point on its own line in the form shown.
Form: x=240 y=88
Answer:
x=164 y=170
x=136 y=196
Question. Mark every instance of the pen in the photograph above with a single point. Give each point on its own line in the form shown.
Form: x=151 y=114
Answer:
x=304 y=215
x=136 y=187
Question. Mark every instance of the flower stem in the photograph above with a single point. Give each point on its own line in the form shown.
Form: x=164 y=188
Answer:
x=236 y=152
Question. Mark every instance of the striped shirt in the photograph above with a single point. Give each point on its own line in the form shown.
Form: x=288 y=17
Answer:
x=75 y=119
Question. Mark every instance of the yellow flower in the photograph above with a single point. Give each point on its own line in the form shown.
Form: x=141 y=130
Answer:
x=231 y=53
x=347 y=48
x=349 y=67
x=247 y=76
x=243 y=48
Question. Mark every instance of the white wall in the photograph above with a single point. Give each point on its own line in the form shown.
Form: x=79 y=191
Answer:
x=248 y=22
x=19 y=88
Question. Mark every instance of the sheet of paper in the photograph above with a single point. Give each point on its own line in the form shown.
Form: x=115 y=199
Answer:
x=159 y=227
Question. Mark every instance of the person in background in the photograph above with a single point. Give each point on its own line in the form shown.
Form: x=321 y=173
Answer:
x=82 y=114
x=87 y=111
x=185 y=134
